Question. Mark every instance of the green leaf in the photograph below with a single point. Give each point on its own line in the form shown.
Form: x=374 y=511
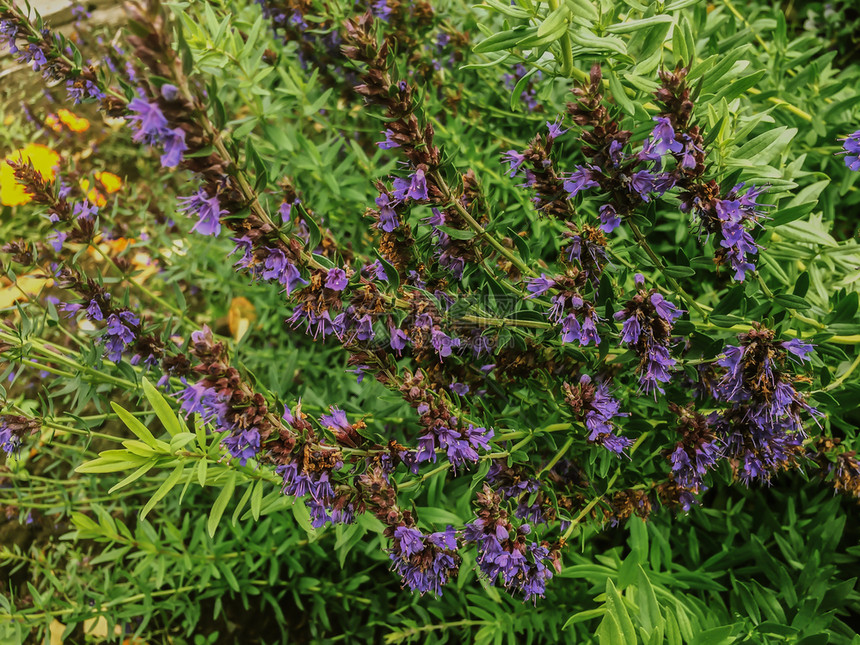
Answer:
x=162 y=409
x=303 y=517
x=618 y=611
x=314 y=234
x=257 y=500
x=792 y=213
x=791 y=301
x=555 y=21
x=620 y=95
x=137 y=474
x=679 y=272
x=166 y=486
x=649 y=610
x=636 y=25
x=504 y=39
x=221 y=503
x=131 y=422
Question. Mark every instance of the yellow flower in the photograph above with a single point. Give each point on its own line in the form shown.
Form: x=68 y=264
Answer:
x=72 y=121
x=44 y=160
x=53 y=122
x=92 y=194
x=110 y=181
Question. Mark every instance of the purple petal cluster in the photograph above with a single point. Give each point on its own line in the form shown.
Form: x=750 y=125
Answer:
x=461 y=445
x=763 y=428
x=118 y=334
x=425 y=562
x=506 y=557
x=207 y=209
x=648 y=319
x=597 y=409
x=851 y=147
x=152 y=128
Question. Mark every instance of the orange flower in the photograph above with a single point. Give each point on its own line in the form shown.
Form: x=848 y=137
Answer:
x=44 y=160
x=110 y=181
x=72 y=121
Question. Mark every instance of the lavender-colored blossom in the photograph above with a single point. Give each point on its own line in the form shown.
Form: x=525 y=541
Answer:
x=388 y=220
x=581 y=179
x=664 y=137
x=442 y=343
x=425 y=563
x=243 y=445
x=539 y=286
x=399 y=340
x=336 y=279
x=149 y=121
x=555 y=129
x=207 y=209
x=174 y=145
x=389 y=142
x=642 y=183
x=515 y=159
x=796 y=347
x=851 y=148
x=609 y=219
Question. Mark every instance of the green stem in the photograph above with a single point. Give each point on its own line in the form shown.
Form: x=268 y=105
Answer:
x=844 y=376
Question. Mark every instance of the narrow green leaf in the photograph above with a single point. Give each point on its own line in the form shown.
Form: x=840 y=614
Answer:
x=221 y=503
x=131 y=422
x=162 y=409
x=166 y=486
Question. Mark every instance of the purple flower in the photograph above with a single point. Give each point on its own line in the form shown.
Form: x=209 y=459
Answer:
x=539 y=286
x=243 y=445
x=376 y=271
x=148 y=119
x=798 y=348
x=399 y=340
x=642 y=183
x=555 y=129
x=852 y=151
x=442 y=343
x=665 y=309
x=94 y=312
x=580 y=179
x=388 y=143
x=609 y=219
x=364 y=328
x=207 y=209
x=664 y=137
x=169 y=92
x=515 y=159
x=417 y=186
x=336 y=279
x=118 y=334
x=174 y=145
x=388 y=220
x=10 y=441
x=426 y=563
x=336 y=420
x=276 y=266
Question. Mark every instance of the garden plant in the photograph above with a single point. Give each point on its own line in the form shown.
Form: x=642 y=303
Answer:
x=515 y=322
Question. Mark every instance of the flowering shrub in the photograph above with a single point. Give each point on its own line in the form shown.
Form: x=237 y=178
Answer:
x=474 y=292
